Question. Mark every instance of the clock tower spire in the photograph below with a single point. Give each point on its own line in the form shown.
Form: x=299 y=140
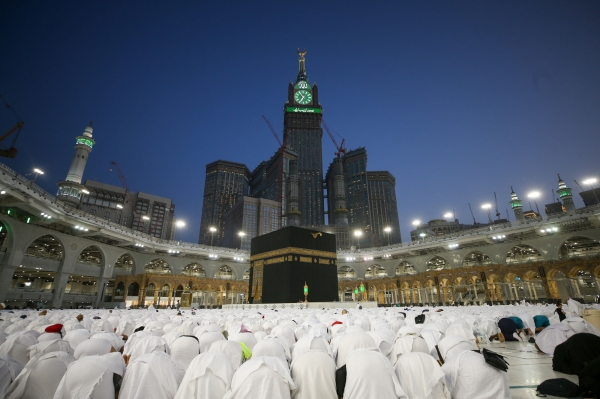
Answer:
x=301 y=67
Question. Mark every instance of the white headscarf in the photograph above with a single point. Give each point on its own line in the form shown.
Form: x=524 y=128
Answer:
x=207 y=339
x=85 y=375
x=92 y=347
x=9 y=370
x=420 y=376
x=261 y=377
x=370 y=375
x=48 y=347
x=313 y=372
x=232 y=350
x=184 y=349
x=270 y=347
x=209 y=376
x=153 y=375
x=75 y=337
x=351 y=342
x=41 y=376
x=17 y=346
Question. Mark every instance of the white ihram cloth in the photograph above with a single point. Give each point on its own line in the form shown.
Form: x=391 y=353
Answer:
x=9 y=370
x=350 y=342
x=40 y=377
x=207 y=339
x=313 y=372
x=407 y=344
x=153 y=375
x=91 y=377
x=467 y=373
x=184 y=349
x=421 y=376
x=149 y=343
x=270 y=347
x=232 y=350
x=369 y=374
x=552 y=336
x=208 y=377
x=261 y=377
x=309 y=342
x=17 y=346
x=58 y=345
x=92 y=347
x=75 y=337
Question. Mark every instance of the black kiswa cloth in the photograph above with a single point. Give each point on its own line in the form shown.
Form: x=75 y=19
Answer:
x=495 y=360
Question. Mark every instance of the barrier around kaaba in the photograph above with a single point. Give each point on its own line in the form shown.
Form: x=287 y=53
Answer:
x=282 y=262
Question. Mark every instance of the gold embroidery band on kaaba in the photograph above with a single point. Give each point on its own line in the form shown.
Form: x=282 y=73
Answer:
x=294 y=251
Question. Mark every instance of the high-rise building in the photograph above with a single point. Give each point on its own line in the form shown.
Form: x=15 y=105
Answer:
x=336 y=193
x=303 y=132
x=383 y=208
x=355 y=171
x=147 y=213
x=252 y=217
x=226 y=183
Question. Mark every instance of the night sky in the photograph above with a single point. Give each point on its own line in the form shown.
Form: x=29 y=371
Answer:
x=456 y=99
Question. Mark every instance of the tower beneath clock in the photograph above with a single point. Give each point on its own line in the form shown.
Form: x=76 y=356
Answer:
x=302 y=127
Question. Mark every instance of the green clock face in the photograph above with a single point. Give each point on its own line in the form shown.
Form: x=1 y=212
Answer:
x=303 y=97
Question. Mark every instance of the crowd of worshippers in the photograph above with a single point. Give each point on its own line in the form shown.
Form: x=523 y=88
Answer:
x=284 y=353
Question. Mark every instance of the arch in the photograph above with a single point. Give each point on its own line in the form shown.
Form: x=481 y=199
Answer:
x=157 y=266
x=437 y=263
x=178 y=291
x=375 y=271
x=522 y=253
x=3 y=233
x=346 y=273
x=150 y=290
x=405 y=267
x=125 y=262
x=579 y=247
x=120 y=289
x=46 y=246
x=511 y=277
x=133 y=289
x=225 y=273
x=476 y=258
x=91 y=255
x=194 y=269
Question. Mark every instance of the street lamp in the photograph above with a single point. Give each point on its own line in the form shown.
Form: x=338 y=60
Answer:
x=241 y=234
x=535 y=195
x=36 y=172
x=358 y=234
x=448 y=215
x=487 y=208
x=416 y=222
x=180 y=224
x=212 y=233
x=590 y=182
x=388 y=230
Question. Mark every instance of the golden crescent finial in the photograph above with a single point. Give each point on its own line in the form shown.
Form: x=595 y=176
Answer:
x=301 y=53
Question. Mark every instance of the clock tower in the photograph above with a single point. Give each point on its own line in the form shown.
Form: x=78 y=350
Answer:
x=302 y=128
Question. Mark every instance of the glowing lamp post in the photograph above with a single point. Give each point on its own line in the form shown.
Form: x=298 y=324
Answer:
x=535 y=195
x=358 y=234
x=241 y=234
x=212 y=234
x=178 y=224
x=305 y=292
x=388 y=231
x=590 y=182
x=487 y=207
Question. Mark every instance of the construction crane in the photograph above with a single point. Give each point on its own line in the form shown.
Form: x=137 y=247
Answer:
x=341 y=150
x=282 y=147
x=12 y=151
x=497 y=212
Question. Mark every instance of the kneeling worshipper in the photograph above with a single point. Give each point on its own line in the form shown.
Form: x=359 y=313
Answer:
x=184 y=349
x=232 y=350
x=467 y=373
x=572 y=356
x=407 y=340
x=509 y=329
x=421 y=376
x=369 y=374
x=313 y=369
x=9 y=370
x=152 y=375
x=541 y=322
x=92 y=377
x=40 y=377
x=261 y=377
x=17 y=345
x=208 y=377
x=552 y=336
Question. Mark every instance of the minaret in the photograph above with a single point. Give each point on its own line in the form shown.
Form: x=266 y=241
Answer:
x=71 y=188
x=566 y=196
x=517 y=206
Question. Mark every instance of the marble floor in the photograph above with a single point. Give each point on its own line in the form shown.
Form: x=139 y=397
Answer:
x=528 y=368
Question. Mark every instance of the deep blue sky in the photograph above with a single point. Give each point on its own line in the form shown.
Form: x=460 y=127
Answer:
x=456 y=99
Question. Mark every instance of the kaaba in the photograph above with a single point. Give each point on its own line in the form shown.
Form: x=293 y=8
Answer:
x=281 y=263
